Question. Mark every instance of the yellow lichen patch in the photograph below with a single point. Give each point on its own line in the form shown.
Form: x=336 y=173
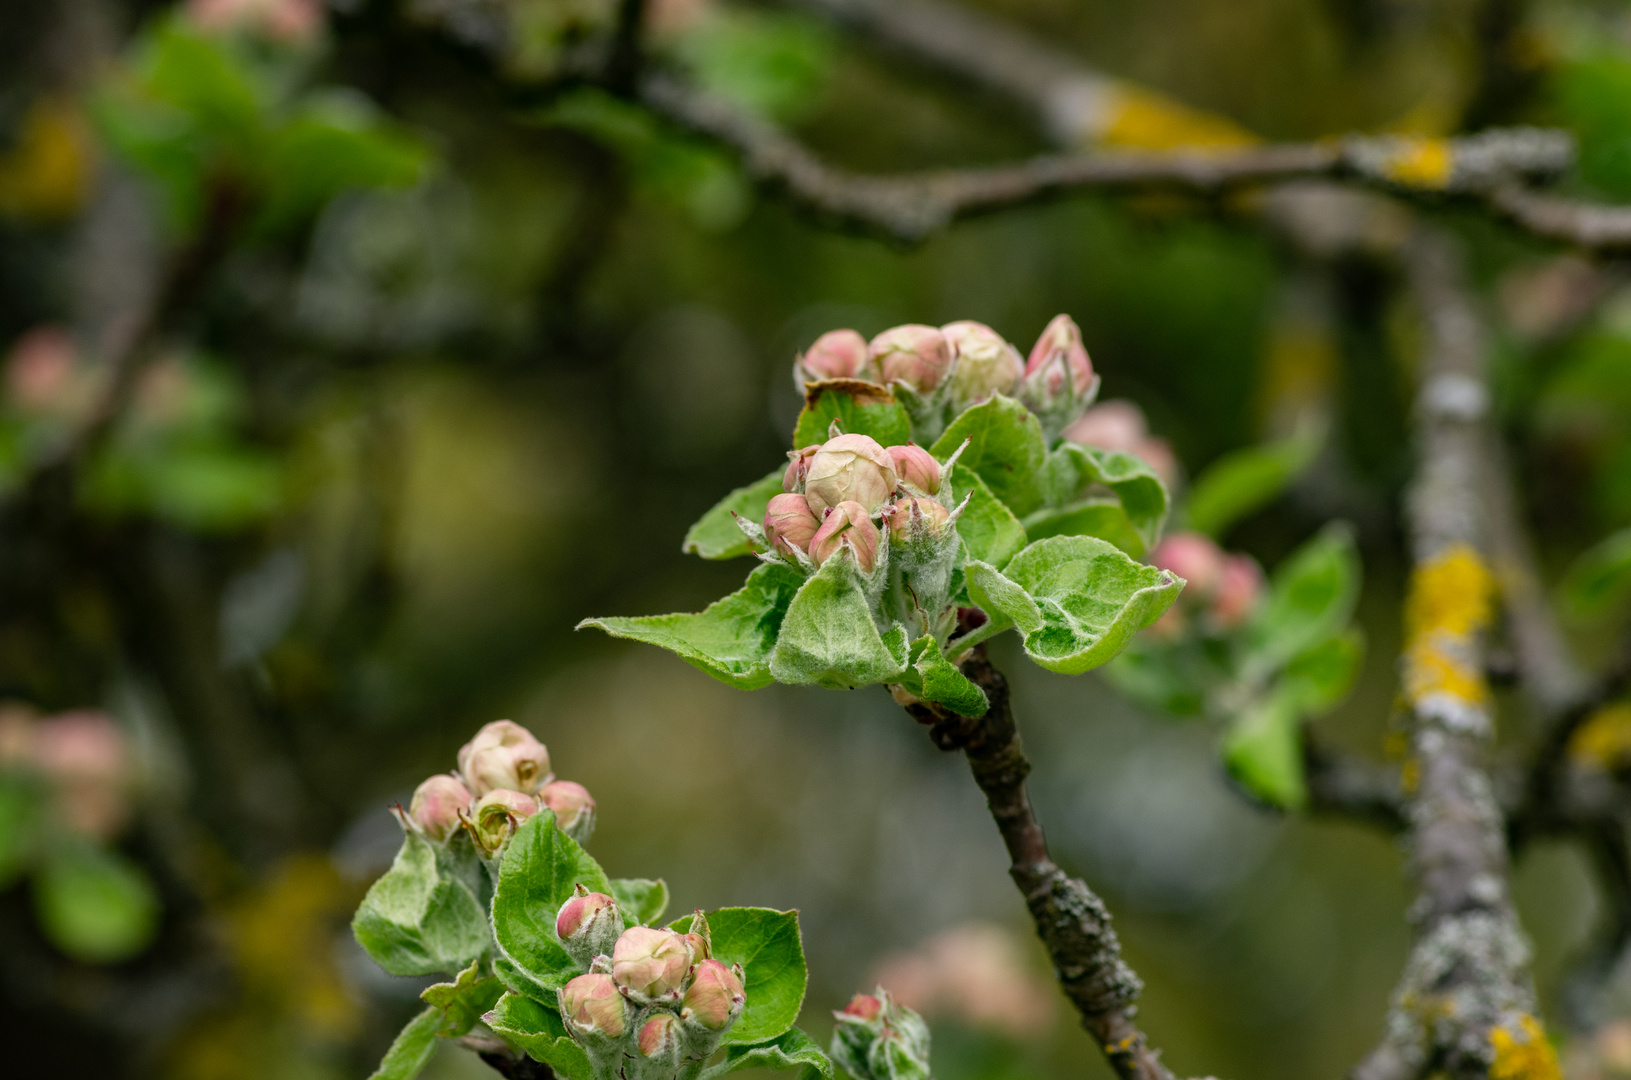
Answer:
x=1422 y=163
x=1451 y=600
x=45 y=173
x=1410 y=776
x=1524 y=1054
x=1139 y=120
x=1604 y=740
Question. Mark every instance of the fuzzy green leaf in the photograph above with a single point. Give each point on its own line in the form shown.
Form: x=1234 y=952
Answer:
x=937 y=680
x=1244 y=481
x=1319 y=677
x=642 y=900
x=1311 y=597
x=537 y=875
x=861 y=408
x=1263 y=752
x=1006 y=450
x=989 y=530
x=1104 y=518
x=1002 y=599
x=417 y=920
x=1071 y=468
x=732 y=639
x=411 y=1050
x=715 y=535
x=793 y=1050
x=768 y=946
x=1091 y=597
x=828 y=637
x=462 y=1001
x=537 y=1029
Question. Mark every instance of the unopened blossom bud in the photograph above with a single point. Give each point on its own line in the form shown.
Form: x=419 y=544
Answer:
x=588 y=925
x=909 y=519
x=290 y=21
x=661 y=1038
x=798 y=467
x=849 y=522
x=986 y=364
x=913 y=354
x=87 y=757
x=651 y=963
x=1240 y=587
x=789 y=523
x=593 y=1004
x=837 y=354
x=715 y=997
x=437 y=805
x=1110 y=425
x=503 y=755
x=497 y=813
x=1060 y=351
x=573 y=805
x=850 y=468
x=863 y=1007
x=1193 y=557
x=916 y=468
x=700 y=949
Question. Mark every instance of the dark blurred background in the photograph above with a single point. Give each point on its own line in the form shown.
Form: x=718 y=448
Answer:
x=410 y=430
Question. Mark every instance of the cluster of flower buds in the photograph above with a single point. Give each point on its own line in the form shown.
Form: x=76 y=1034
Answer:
x=1120 y=425
x=503 y=779
x=83 y=756
x=877 y=1038
x=654 y=1002
x=1223 y=589
x=288 y=21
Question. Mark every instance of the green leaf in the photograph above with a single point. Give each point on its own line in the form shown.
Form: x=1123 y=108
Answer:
x=1104 y=518
x=1600 y=579
x=463 y=1001
x=768 y=946
x=1263 y=752
x=537 y=875
x=1311 y=597
x=1244 y=481
x=1001 y=598
x=538 y=1030
x=95 y=905
x=1143 y=496
x=1319 y=677
x=333 y=144
x=643 y=901
x=1092 y=599
x=22 y=801
x=989 y=530
x=417 y=920
x=1006 y=450
x=732 y=639
x=939 y=681
x=792 y=1050
x=411 y=1050
x=715 y=535
x=861 y=408
x=828 y=637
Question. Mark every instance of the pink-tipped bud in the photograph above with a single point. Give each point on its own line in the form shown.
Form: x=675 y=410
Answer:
x=87 y=758
x=848 y=522
x=1111 y=425
x=915 y=518
x=789 y=523
x=290 y=21
x=715 y=998
x=593 y=1004
x=861 y=1007
x=437 y=806
x=497 y=813
x=661 y=1037
x=588 y=925
x=916 y=468
x=41 y=371
x=573 y=805
x=849 y=468
x=1240 y=587
x=798 y=467
x=986 y=364
x=700 y=949
x=1060 y=351
x=837 y=354
x=503 y=755
x=913 y=354
x=651 y=963
x=1193 y=557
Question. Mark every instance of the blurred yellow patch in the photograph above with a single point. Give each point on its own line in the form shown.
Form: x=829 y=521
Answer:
x=45 y=175
x=1421 y=163
x=1524 y=1054
x=1604 y=740
x=1451 y=600
x=1140 y=120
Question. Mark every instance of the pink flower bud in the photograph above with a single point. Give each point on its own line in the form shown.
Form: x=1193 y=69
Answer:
x=986 y=364
x=916 y=517
x=715 y=997
x=837 y=354
x=700 y=949
x=1061 y=339
x=661 y=1037
x=789 y=524
x=916 y=468
x=651 y=963
x=862 y=1007
x=574 y=808
x=1240 y=587
x=1193 y=557
x=798 y=466
x=588 y=925
x=1111 y=425
x=847 y=522
x=593 y=1004
x=437 y=806
x=503 y=755
x=292 y=21
x=849 y=468
x=87 y=758
x=497 y=813
x=916 y=355
x=41 y=372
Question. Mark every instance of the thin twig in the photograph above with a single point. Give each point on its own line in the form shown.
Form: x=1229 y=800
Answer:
x=1341 y=786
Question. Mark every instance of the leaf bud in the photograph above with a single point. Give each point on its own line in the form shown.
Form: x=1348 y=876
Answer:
x=592 y=1004
x=437 y=806
x=837 y=354
x=503 y=755
x=1058 y=352
x=496 y=814
x=850 y=468
x=916 y=468
x=661 y=1038
x=798 y=466
x=848 y=523
x=1195 y=558
x=588 y=925
x=715 y=998
x=985 y=364
x=1239 y=588
x=574 y=808
x=789 y=523
x=914 y=354
x=914 y=518
x=651 y=963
